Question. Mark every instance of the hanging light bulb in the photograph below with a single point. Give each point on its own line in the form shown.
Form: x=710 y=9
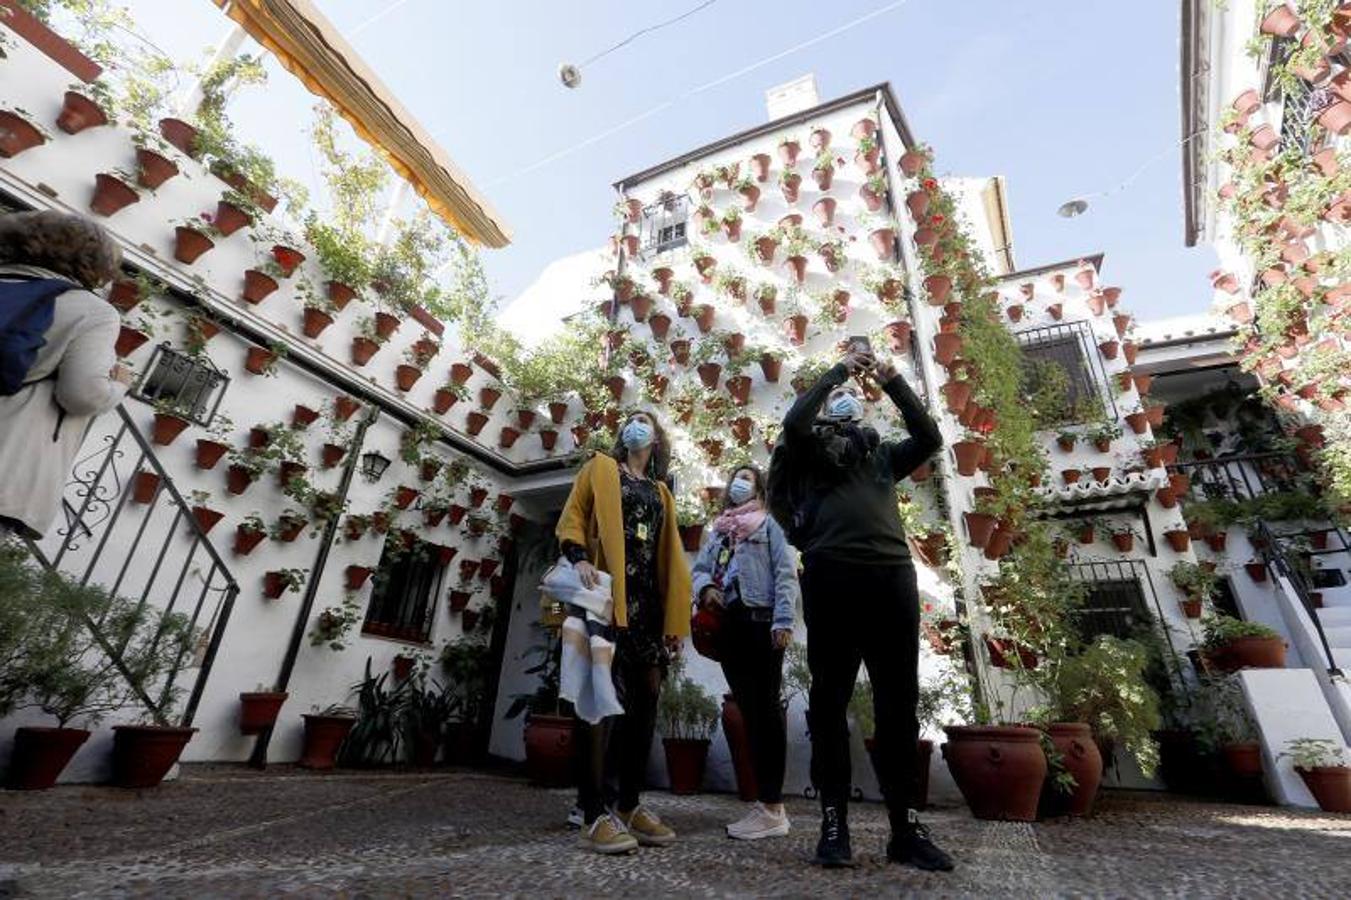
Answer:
x=1071 y=208
x=570 y=75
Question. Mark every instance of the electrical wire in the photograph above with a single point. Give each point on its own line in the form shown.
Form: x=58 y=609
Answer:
x=362 y=26
x=717 y=82
x=642 y=31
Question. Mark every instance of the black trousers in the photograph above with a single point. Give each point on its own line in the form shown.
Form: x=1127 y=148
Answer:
x=869 y=614
x=754 y=672
x=611 y=756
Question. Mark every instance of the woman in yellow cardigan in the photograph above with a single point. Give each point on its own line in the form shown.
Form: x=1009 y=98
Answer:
x=620 y=518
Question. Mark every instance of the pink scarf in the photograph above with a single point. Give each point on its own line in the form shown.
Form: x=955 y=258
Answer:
x=742 y=521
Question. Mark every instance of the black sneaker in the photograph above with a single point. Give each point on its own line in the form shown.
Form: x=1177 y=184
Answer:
x=912 y=846
x=832 y=851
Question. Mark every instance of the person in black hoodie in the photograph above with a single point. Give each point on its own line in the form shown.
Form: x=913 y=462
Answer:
x=859 y=595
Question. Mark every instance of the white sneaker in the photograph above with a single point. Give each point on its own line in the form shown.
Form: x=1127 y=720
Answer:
x=575 y=817
x=759 y=823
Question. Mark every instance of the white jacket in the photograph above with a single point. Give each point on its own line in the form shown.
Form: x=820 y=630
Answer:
x=34 y=468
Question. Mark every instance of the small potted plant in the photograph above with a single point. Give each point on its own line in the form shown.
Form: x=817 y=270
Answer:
x=1103 y=434
x=249 y=533
x=258 y=709
x=1326 y=770
x=1231 y=644
x=548 y=730
x=688 y=715
x=283 y=581
x=1196 y=582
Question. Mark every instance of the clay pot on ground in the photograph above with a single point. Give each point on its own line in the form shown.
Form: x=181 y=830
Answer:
x=686 y=759
x=999 y=770
x=40 y=755
x=323 y=736
x=258 y=710
x=1084 y=761
x=1330 y=786
x=144 y=754
x=548 y=749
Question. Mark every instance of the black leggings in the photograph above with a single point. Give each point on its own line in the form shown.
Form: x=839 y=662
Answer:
x=869 y=614
x=754 y=672
x=611 y=756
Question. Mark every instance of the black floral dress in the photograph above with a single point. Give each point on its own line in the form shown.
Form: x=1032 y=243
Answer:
x=641 y=644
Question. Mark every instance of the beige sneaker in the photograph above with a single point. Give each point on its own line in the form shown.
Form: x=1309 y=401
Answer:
x=759 y=823
x=607 y=835
x=647 y=828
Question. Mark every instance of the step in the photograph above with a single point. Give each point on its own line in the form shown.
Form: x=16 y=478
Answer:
x=1333 y=616
x=1338 y=636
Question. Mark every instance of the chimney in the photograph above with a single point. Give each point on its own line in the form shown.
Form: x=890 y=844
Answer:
x=791 y=97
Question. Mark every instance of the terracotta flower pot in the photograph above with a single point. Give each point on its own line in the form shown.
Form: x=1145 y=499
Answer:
x=144 y=486
x=316 y=321
x=1178 y=539
x=796 y=329
x=1083 y=760
x=474 y=423
x=40 y=755
x=999 y=769
x=258 y=286
x=912 y=162
x=78 y=112
x=968 y=455
x=548 y=749
x=386 y=324
x=17 y=134
x=1280 y=21
x=788 y=153
x=979 y=528
x=883 y=241
x=111 y=194
x=797 y=267
x=189 y=244
x=685 y=763
x=340 y=295
x=323 y=736
x=230 y=218
x=258 y=711
x=153 y=169
x=167 y=428
x=344 y=407
x=740 y=389
x=824 y=210
x=144 y=754
x=1248 y=653
x=1330 y=786
x=406 y=376
x=1070 y=476
x=258 y=359
x=759 y=164
x=129 y=340
x=946 y=348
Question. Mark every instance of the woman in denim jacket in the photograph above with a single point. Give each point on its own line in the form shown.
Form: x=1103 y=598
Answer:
x=747 y=567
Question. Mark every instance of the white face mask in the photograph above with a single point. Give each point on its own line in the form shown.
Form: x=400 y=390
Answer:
x=846 y=407
x=740 y=490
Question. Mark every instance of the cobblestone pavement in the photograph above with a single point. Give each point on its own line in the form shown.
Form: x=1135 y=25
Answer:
x=232 y=832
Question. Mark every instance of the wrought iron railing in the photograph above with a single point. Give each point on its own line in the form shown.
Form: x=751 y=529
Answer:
x=1280 y=553
x=156 y=551
x=1242 y=477
x=1073 y=347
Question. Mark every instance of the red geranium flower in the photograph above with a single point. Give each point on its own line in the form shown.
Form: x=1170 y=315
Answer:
x=929 y=184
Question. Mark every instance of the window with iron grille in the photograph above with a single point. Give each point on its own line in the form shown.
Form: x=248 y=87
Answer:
x=406 y=585
x=192 y=384
x=1063 y=371
x=664 y=225
x=1115 y=607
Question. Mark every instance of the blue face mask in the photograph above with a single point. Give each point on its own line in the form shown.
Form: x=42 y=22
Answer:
x=845 y=406
x=637 y=434
x=740 y=490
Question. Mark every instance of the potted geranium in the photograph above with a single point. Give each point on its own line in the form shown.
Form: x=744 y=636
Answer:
x=688 y=715
x=1198 y=584
x=1326 y=770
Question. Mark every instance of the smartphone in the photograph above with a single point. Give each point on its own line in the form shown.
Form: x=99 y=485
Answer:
x=860 y=343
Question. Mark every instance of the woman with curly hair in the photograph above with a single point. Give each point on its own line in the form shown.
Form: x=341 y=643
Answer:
x=620 y=519
x=74 y=375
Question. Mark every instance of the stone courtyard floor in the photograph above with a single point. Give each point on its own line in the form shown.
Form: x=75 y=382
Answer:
x=221 y=831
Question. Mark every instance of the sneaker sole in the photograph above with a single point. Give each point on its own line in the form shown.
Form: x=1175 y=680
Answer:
x=833 y=863
x=646 y=841
x=608 y=849
x=761 y=834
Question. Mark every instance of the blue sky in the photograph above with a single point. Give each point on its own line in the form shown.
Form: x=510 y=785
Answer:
x=1062 y=97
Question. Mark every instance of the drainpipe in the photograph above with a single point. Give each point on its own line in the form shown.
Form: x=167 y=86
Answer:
x=259 y=757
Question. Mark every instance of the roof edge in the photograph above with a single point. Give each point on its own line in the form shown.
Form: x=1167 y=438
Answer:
x=1095 y=259
x=883 y=88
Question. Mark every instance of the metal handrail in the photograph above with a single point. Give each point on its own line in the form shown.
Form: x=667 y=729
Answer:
x=1274 y=555
x=98 y=498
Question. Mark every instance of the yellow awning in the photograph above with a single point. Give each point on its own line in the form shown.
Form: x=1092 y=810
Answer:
x=310 y=48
